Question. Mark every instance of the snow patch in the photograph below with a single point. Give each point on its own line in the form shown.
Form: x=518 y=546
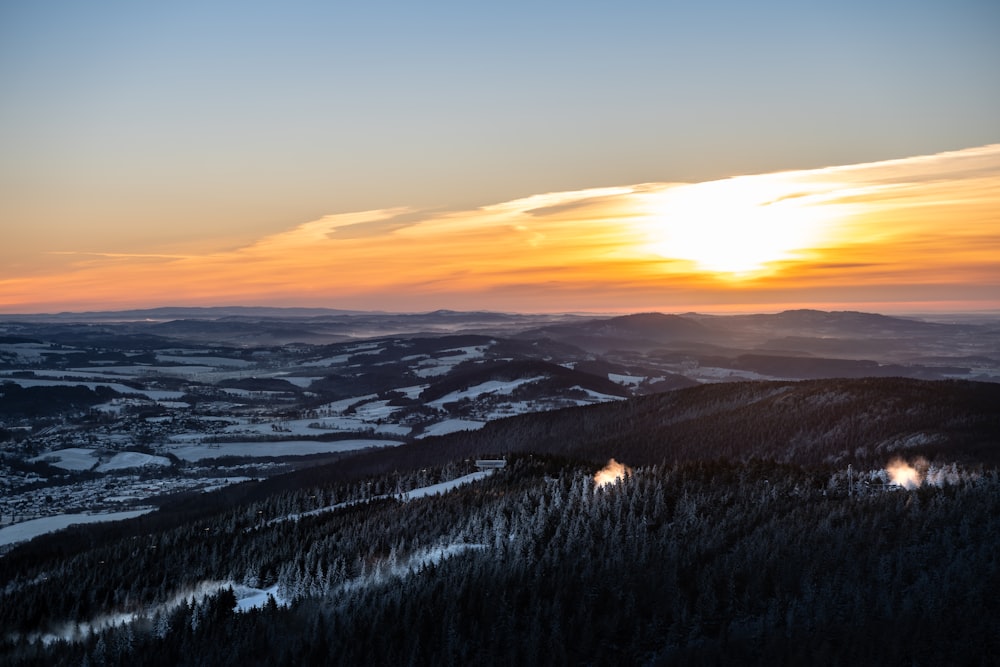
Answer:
x=125 y=460
x=248 y=598
x=209 y=361
x=445 y=487
x=274 y=448
x=451 y=426
x=71 y=458
x=412 y=565
x=421 y=492
x=488 y=387
x=627 y=380
x=26 y=530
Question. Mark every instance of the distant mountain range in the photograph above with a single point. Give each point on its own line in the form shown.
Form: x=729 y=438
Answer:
x=180 y=313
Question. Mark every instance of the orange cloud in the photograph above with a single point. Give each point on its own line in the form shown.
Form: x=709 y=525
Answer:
x=901 y=231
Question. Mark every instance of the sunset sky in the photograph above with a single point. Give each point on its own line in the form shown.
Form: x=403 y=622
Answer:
x=717 y=156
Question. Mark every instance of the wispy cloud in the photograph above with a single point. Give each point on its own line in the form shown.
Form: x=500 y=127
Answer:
x=903 y=228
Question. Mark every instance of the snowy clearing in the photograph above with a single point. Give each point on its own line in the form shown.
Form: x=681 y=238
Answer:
x=451 y=426
x=412 y=392
x=627 y=380
x=125 y=460
x=209 y=361
x=26 y=530
x=596 y=396
x=300 y=381
x=33 y=352
x=444 y=487
x=132 y=371
x=488 y=387
x=448 y=359
x=274 y=448
x=421 y=492
x=255 y=598
x=72 y=458
x=412 y=564
x=82 y=458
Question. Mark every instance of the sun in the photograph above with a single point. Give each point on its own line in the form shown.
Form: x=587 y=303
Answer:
x=738 y=227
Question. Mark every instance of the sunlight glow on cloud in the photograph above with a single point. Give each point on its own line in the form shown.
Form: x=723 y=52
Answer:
x=739 y=226
x=901 y=231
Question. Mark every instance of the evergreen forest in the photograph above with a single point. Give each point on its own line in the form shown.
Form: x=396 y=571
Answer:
x=759 y=524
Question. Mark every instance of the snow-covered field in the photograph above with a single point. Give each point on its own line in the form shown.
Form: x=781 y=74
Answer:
x=71 y=458
x=208 y=361
x=448 y=359
x=274 y=448
x=250 y=393
x=153 y=394
x=255 y=598
x=445 y=487
x=627 y=380
x=26 y=530
x=596 y=396
x=31 y=352
x=451 y=426
x=488 y=387
x=300 y=381
x=364 y=419
x=120 y=371
x=81 y=458
x=127 y=460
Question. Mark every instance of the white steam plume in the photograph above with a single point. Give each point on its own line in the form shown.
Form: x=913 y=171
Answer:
x=905 y=475
x=611 y=473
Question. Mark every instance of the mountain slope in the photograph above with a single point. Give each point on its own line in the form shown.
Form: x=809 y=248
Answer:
x=634 y=332
x=864 y=421
x=707 y=553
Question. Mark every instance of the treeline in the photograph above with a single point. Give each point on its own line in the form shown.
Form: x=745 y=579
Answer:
x=37 y=402
x=697 y=563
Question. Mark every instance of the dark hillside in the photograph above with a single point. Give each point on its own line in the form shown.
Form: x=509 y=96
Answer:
x=638 y=331
x=844 y=322
x=39 y=402
x=862 y=421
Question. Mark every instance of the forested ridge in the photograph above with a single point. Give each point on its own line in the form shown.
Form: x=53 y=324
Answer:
x=738 y=538
x=859 y=421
